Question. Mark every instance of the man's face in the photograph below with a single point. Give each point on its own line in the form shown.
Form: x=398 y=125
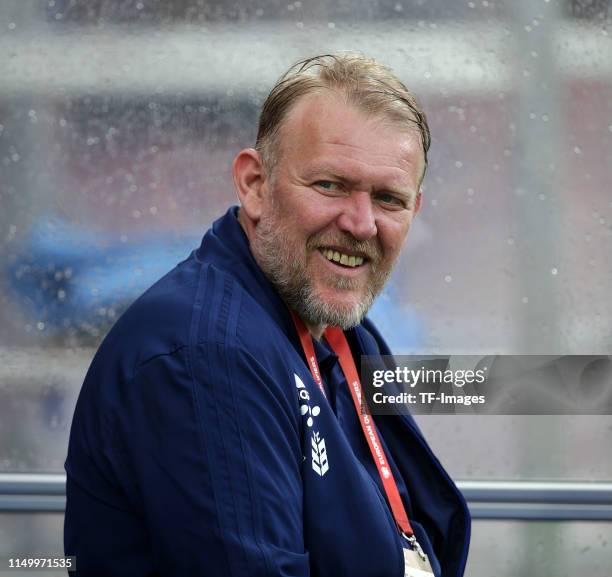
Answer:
x=338 y=208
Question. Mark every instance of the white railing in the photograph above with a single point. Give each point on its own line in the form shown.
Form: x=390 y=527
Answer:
x=233 y=60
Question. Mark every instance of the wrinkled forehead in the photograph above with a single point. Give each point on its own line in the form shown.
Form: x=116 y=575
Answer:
x=325 y=120
x=327 y=103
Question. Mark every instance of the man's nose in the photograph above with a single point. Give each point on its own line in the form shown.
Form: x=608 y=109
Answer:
x=357 y=216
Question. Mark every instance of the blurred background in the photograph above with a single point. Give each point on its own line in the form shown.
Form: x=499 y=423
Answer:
x=119 y=120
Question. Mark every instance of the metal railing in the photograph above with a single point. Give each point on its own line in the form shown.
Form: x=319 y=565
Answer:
x=520 y=500
x=539 y=500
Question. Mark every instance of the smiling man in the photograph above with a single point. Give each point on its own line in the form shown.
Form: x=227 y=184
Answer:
x=339 y=203
x=221 y=428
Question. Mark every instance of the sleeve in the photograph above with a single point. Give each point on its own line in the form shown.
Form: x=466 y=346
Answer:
x=211 y=444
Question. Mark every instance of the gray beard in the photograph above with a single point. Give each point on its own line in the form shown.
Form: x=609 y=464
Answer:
x=287 y=273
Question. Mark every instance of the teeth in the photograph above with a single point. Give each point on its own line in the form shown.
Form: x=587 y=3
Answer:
x=345 y=259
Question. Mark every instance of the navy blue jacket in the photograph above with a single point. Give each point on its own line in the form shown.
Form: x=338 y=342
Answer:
x=201 y=445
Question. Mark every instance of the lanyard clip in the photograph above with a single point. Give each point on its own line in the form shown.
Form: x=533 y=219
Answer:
x=414 y=544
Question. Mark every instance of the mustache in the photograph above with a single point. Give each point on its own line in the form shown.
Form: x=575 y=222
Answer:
x=368 y=248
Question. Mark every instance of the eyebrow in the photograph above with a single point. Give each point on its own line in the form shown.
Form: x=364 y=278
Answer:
x=333 y=173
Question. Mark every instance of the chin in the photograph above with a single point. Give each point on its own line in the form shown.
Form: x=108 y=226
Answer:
x=345 y=311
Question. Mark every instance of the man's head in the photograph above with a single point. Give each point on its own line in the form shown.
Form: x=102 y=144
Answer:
x=369 y=86
x=336 y=175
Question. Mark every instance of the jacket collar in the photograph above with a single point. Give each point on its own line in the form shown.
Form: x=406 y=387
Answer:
x=227 y=248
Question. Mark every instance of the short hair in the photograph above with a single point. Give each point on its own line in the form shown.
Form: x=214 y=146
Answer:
x=365 y=83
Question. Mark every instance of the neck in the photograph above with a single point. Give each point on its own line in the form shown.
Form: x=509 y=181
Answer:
x=246 y=225
x=315 y=330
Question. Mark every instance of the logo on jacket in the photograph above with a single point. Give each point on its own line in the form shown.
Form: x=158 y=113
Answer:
x=319 y=455
x=320 y=464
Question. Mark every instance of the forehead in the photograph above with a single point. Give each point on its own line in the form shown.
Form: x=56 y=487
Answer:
x=322 y=128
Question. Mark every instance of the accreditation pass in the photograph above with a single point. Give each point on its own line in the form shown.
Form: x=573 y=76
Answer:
x=415 y=566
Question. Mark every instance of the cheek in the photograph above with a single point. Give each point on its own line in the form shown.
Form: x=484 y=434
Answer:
x=392 y=237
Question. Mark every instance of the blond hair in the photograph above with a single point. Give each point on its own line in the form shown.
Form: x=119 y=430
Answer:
x=366 y=84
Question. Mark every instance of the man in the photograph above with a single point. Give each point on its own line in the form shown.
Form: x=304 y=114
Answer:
x=220 y=430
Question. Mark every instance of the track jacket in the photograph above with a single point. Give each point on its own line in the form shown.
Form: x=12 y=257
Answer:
x=192 y=452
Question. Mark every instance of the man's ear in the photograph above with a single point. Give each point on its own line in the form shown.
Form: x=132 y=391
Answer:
x=417 y=201
x=249 y=180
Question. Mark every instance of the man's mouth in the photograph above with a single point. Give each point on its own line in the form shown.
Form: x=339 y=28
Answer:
x=342 y=258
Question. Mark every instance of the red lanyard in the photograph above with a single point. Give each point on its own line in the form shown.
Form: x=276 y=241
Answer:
x=337 y=341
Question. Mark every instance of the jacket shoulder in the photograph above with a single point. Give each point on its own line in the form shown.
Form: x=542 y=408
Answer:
x=232 y=317
x=154 y=324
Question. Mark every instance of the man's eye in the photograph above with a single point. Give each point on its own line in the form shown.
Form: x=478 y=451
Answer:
x=388 y=198
x=327 y=185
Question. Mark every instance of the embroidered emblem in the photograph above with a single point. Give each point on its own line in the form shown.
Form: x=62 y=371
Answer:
x=320 y=464
x=305 y=407
x=311 y=413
